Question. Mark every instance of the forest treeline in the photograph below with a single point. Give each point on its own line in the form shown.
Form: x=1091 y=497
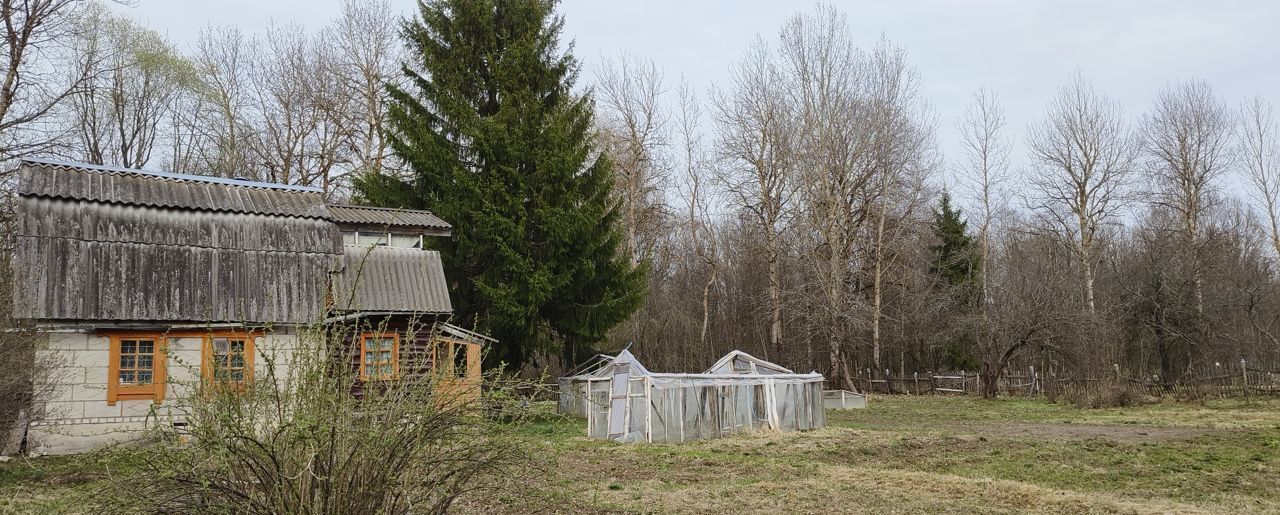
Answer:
x=802 y=210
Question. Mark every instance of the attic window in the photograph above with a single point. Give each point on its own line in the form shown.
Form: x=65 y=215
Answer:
x=383 y=239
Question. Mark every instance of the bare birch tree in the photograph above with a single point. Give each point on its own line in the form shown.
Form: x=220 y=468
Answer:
x=299 y=109
x=368 y=52
x=1259 y=148
x=1187 y=138
x=1083 y=153
x=826 y=76
x=754 y=143
x=985 y=151
x=635 y=136
x=223 y=62
x=701 y=227
x=901 y=152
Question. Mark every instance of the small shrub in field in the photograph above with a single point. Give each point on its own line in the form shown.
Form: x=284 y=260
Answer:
x=301 y=443
x=1114 y=396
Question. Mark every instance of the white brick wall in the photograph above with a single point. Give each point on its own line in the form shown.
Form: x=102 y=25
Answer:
x=79 y=418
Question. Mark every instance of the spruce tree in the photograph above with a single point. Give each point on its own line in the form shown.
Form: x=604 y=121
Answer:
x=955 y=265
x=498 y=145
x=955 y=257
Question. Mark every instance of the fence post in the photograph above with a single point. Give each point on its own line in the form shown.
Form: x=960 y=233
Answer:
x=1244 y=369
x=1031 y=380
x=915 y=376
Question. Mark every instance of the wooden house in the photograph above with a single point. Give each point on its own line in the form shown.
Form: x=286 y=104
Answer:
x=142 y=279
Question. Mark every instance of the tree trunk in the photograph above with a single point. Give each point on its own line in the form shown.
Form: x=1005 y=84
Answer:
x=775 y=299
x=706 y=307
x=1087 y=270
x=876 y=284
x=990 y=380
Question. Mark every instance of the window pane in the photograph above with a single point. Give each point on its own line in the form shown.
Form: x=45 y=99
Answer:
x=144 y=361
x=460 y=360
x=219 y=346
x=128 y=347
x=144 y=377
x=237 y=361
x=237 y=375
x=129 y=361
x=368 y=358
x=237 y=346
x=145 y=346
x=126 y=376
x=388 y=343
x=349 y=238
x=373 y=239
x=405 y=241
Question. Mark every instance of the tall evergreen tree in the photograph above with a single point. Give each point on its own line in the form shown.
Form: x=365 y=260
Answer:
x=500 y=146
x=955 y=257
x=956 y=263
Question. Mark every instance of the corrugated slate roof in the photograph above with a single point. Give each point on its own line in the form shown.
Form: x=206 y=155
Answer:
x=113 y=244
x=383 y=216
x=72 y=279
x=392 y=280
x=56 y=179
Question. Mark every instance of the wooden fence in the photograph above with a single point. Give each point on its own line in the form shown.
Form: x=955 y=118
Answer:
x=1235 y=379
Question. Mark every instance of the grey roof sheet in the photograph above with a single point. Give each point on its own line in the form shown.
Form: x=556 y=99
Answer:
x=392 y=280
x=379 y=216
x=56 y=179
x=73 y=279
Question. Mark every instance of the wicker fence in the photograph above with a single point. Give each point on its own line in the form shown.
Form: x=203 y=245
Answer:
x=1235 y=379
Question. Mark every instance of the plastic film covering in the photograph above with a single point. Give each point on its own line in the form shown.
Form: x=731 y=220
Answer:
x=680 y=407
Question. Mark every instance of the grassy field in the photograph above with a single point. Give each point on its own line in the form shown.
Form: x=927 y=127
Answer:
x=901 y=455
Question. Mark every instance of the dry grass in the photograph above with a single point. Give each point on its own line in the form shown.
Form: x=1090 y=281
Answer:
x=902 y=455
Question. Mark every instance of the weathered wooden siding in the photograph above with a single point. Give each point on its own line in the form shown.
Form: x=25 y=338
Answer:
x=379 y=279
x=416 y=359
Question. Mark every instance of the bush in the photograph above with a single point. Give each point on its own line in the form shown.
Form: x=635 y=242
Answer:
x=1111 y=396
x=299 y=442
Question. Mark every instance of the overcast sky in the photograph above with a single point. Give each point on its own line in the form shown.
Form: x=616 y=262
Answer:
x=1022 y=49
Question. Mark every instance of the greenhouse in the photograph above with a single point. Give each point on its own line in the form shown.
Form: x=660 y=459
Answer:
x=624 y=401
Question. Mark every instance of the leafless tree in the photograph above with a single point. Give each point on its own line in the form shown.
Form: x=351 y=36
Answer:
x=755 y=132
x=902 y=149
x=701 y=227
x=826 y=76
x=1083 y=151
x=122 y=112
x=985 y=165
x=41 y=71
x=635 y=136
x=219 y=120
x=1187 y=138
x=1259 y=148
x=368 y=52
x=299 y=108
